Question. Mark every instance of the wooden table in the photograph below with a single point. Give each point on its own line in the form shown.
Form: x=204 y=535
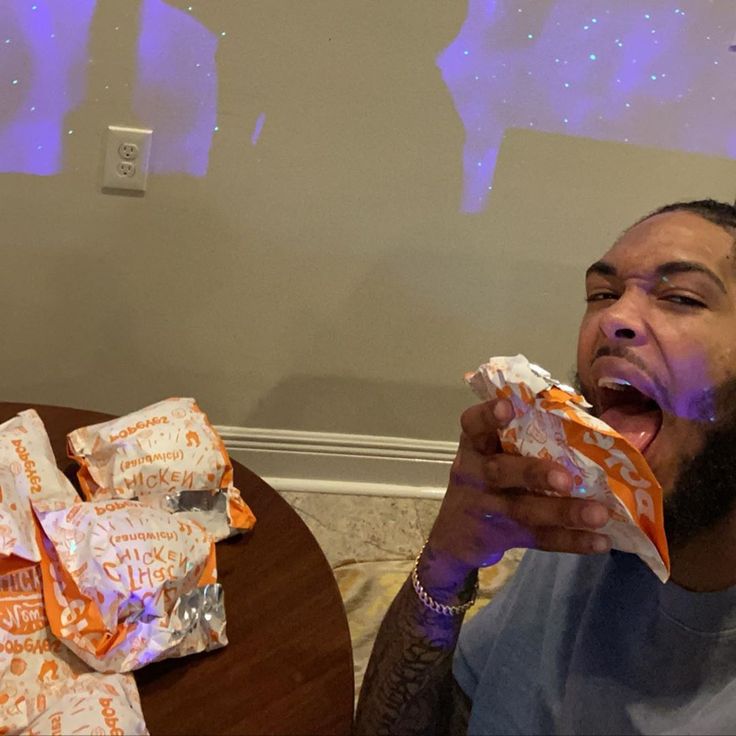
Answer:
x=288 y=667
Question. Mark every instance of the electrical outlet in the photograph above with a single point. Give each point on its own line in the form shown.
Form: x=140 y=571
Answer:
x=127 y=153
x=126 y=169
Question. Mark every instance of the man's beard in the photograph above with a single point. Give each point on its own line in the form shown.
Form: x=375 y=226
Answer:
x=705 y=489
x=704 y=493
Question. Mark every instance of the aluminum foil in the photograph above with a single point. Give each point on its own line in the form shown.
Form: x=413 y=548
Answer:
x=198 y=620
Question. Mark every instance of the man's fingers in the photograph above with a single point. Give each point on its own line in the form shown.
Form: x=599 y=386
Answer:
x=480 y=424
x=532 y=474
x=554 y=539
x=506 y=472
x=537 y=510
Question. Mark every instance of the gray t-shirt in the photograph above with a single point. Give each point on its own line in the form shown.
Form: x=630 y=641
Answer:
x=597 y=645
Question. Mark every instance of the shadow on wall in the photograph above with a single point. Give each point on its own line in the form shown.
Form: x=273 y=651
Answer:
x=360 y=406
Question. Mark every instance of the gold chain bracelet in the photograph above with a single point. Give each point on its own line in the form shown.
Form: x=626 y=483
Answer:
x=430 y=602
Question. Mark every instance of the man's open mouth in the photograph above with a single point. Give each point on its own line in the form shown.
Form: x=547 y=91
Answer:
x=631 y=412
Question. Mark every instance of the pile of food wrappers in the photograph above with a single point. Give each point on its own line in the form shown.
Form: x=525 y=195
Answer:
x=91 y=590
x=551 y=421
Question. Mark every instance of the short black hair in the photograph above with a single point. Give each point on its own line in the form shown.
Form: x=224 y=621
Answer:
x=719 y=213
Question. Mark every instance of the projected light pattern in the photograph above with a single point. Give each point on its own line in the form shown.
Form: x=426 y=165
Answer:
x=43 y=61
x=258 y=129
x=176 y=88
x=656 y=73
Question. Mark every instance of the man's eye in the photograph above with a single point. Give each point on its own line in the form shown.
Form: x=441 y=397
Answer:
x=685 y=301
x=600 y=296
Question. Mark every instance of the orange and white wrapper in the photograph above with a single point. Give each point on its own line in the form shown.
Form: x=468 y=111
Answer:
x=44 y=687
x=28 y=475
x=551 y=422
x=166 y=455
x=104 y=705
x=18 y=546
x=126 y=584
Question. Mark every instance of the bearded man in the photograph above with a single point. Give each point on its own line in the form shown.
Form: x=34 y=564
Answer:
x=583 y=639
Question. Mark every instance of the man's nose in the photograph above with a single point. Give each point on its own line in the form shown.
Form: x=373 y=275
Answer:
x=623 y=322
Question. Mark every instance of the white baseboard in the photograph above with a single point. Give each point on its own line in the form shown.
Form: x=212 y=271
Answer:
x=350 y=464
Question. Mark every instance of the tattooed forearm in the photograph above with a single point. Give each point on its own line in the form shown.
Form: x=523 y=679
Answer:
x=408 y=684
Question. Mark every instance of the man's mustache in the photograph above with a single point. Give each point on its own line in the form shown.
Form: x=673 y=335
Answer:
x=620 y=351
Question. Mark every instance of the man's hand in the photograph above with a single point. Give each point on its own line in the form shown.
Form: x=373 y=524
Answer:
x=493 y=503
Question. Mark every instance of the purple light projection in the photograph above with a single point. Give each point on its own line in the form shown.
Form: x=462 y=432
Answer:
x=43 y=48
x=176 y=88
x=656 y=74
x=258 y=129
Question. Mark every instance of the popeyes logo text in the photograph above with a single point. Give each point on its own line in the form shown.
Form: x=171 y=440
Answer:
x=29 y=467
x=133 y=428
x=111 y=717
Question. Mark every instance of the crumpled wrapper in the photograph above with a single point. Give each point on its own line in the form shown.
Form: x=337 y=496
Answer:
x=92 y=704
x=168 y=456
x=28 y=475
x=126 y=584
x=17 y=534
x=44 y=687
x=551 y=422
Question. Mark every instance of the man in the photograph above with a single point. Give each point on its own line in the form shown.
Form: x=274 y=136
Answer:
x=591 y=642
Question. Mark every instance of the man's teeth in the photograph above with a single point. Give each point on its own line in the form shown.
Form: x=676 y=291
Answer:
x=617 y=384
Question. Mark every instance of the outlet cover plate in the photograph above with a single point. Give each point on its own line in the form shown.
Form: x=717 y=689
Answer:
x=131 y=178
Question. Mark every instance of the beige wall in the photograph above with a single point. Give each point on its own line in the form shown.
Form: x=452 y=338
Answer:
x=325 y=278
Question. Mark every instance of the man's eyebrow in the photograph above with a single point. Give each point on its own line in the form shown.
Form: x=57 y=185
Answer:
x=602 y=268
x=665 y=269
x=672 y=267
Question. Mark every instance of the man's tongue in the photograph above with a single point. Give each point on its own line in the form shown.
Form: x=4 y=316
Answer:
x=637 y=426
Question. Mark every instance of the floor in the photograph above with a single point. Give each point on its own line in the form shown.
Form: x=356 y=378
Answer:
x=371 y=543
